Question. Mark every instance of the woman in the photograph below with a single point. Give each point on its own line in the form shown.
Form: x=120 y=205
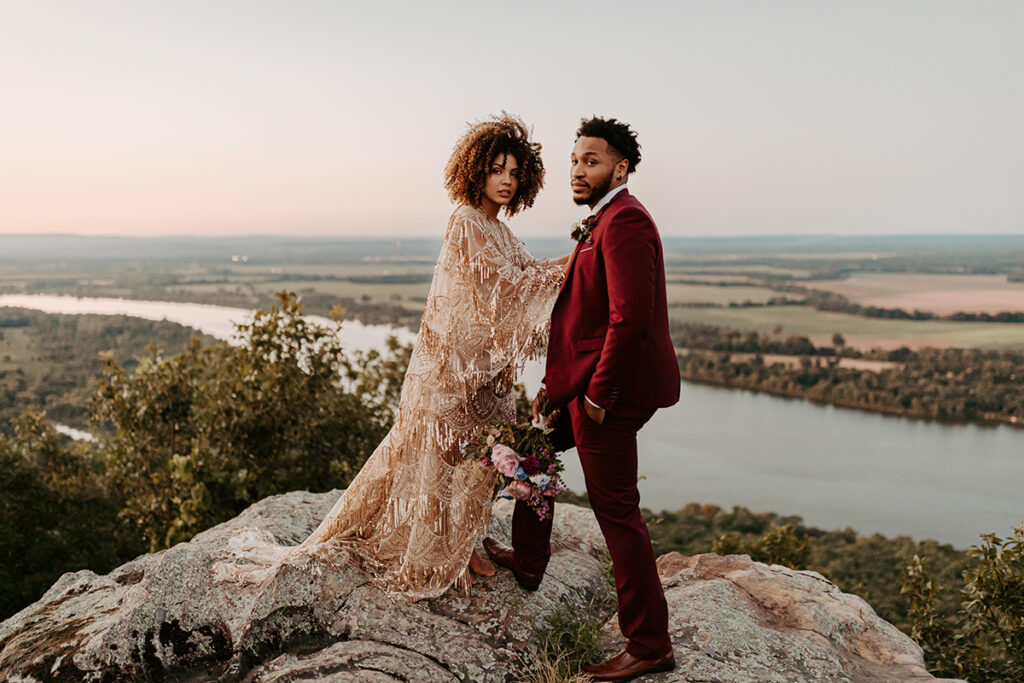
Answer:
x=416 y=509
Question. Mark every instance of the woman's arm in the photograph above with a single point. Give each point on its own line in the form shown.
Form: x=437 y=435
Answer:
x=511 y=290
x=564 y=262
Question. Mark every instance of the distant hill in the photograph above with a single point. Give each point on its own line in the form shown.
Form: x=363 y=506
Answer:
x=262 y=249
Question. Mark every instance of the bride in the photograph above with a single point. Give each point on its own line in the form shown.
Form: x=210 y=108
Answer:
x=414 y=512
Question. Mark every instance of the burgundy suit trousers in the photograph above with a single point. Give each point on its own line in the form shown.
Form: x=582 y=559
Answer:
x=608 y=454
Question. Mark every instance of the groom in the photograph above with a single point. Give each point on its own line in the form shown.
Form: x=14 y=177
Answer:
x=610 y=365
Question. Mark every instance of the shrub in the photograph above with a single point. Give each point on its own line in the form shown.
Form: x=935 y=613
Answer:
x=984 y=641
x=56 y=512
x=779 y=545
x=195 y=438
x=569 y=640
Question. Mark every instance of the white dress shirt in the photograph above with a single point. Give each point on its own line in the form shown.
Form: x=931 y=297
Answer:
x=607 y=198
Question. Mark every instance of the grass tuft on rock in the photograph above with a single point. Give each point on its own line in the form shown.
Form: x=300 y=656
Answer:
x=569 y=640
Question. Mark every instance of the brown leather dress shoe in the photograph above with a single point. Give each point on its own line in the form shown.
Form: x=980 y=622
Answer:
x=505 y=556
x=626 y=667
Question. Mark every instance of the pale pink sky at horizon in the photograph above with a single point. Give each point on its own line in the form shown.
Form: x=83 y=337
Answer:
x=336 y=118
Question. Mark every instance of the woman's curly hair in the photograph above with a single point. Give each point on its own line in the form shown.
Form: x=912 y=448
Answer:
x=470 y=162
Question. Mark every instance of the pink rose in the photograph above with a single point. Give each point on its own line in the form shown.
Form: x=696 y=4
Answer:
x=505 y=460
x=503 y=450
x=519 y=489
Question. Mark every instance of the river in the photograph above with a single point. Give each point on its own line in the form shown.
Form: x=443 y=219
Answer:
x=833 y=467
x=217 y=321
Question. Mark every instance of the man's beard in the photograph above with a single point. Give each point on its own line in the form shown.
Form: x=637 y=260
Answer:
x=596 y=192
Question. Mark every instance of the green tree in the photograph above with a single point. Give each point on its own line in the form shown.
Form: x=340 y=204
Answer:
x=56 y=512
x=195 y=438
x=984 y=641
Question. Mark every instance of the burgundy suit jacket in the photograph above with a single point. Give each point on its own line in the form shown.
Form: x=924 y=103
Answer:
x=609 y=326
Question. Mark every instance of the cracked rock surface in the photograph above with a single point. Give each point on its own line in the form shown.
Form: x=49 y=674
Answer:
x=163 y=617
x=737 y=621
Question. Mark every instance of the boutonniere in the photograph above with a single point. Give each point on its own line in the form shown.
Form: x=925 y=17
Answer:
x=581 y=230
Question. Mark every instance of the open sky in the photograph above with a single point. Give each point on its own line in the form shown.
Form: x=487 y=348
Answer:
x=336 y=118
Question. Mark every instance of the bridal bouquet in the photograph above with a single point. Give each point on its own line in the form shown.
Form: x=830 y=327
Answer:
x=527 y=466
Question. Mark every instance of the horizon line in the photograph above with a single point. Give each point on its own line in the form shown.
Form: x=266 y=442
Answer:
x=407 y=236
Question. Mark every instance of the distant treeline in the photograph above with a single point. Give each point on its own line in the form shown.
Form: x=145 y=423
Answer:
x=712 y=338
x=774 y=301
x=949 y=385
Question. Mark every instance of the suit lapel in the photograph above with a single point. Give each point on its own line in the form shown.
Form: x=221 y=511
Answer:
x=579 y=245
x=568 y=273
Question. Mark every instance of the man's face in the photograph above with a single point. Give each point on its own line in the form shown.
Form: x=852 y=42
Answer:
x=594 y=170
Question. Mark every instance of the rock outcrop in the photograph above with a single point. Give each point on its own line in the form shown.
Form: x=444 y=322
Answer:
x=163 y=617
x=741 y=621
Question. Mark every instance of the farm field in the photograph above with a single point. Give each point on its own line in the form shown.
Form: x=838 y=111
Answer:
x=727 y=267
x=711 y=278
x=381 y=283
x=355 y=269
x=939 y=294
x=15 y=349
x=859 y=331
x=413 y=293
x=713 y=294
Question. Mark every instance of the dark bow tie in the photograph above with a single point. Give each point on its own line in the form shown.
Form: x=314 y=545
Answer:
x=589 y=222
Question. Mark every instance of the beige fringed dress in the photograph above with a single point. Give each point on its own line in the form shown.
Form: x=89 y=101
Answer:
x=416 y=509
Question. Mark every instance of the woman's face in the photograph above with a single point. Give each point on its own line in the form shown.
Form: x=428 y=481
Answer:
x=502 y=180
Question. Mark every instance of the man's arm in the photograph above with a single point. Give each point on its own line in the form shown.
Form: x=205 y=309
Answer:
x=630 y=250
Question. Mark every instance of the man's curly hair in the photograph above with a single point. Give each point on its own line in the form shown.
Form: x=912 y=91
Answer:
x=619 y=136
x=470 y=162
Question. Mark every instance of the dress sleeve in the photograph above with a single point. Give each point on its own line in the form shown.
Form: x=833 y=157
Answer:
x=488 y=311
x=513 y=292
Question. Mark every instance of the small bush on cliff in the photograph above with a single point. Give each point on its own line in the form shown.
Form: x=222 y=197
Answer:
x=568 y=641
x=984 y=641
x=779 y=545
x=193 y=439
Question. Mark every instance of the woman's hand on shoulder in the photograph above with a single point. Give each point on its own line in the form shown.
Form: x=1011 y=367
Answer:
x=564 y=261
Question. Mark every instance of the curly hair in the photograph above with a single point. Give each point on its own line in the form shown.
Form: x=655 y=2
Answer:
x=619 y=136
x=466 y=173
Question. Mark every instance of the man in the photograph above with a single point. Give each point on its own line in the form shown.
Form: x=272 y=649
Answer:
x=610 y=365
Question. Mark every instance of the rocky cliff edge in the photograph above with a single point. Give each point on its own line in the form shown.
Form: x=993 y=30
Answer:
x=163 y=617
